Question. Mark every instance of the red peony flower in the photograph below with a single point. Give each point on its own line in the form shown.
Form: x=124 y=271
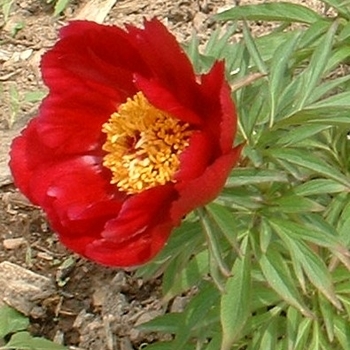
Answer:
x=128 y=141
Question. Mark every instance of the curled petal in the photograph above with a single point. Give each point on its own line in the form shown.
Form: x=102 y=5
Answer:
x=133 y=252
x=205 y=188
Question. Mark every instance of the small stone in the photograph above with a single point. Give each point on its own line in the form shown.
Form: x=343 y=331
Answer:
x=23 y=289
x=179 y=304
x=82 y=319
x=13 y=243
x=59 y=337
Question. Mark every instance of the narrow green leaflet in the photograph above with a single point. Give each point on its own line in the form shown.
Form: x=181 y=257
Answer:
x=60 y=5
x=328 y=314
x=313 y=266
x=303 y=334
x=197 y=310
x=307 y=232
x=11 y=321
x=251 y=176
x=226 y=222
x=342 y=332
x=253 y=50
x=235 y=302
x=217 y=42
x=282 y=11
x=279 y=71
x=319 y=186
x=310 y=161
x=279 y=278
x=215 y=248
x=166 y=346
x=270 y=335
x=301 y=133
x=293 y=320
x=177 y=282
x=263 y=296
x=312 y=35
x=167 y=323
x=193 y=52
x=327 y=86
x=294 y=204
x=316 y=68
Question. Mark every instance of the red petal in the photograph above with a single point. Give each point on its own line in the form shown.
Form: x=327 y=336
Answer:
x=205 y=188
x=168 y=102
x=71 y=123
x=27 y=154
x=139 y=213
x=195 y=158
x=228 y=124
x=131 y=253
x=219 y=114
x=169 y=64
x=87 y=53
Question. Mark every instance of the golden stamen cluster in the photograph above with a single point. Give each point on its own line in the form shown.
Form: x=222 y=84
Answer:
x=143 y=145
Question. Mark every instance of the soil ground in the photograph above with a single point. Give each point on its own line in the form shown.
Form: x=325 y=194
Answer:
x=89 y=307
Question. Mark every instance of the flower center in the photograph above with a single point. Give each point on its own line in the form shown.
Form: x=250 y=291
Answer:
x=143 y=145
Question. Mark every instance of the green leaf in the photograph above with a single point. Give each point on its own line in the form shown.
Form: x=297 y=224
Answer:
x=313 y=73
x=279 y=71
x=270 y=335
x=193 y=52
x=34 y=96
x=218 y=42
x=263 y=297
x=11 y=321
x=235 y=303
x=167 y=323
x=281 y=11
x=225 y=220
x=180 y=281
x=166 y=346
x=294 y=318
x=265 y=236
x=250 y=176
x=278 y=277
x=303 y=334
x=215 y=248
x=24 y=341
x=60 y=6
x=337 y=101
x=298 y=134
x=325 y=89
x=197 y=310
x=342 y=332
x=319 y=186
x=309 y=161
x=294 y=204
x=328 y=313
x=184 y=241
x=313 y=266
x=307 y=231
x=253 y=50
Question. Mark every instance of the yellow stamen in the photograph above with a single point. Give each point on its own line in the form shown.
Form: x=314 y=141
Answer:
x=143 y=145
